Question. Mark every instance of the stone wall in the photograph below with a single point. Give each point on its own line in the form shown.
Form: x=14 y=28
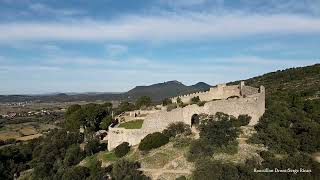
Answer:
x=248 y=90
x=220 y=92
x=117 y=136
x=253 y=104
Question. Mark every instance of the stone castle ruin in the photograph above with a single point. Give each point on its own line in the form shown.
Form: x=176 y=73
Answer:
x=233 y=100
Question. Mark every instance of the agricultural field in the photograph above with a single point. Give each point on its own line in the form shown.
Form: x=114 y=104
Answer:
x=24 y=131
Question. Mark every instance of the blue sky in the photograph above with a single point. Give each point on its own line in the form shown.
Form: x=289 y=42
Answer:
x=114 y=45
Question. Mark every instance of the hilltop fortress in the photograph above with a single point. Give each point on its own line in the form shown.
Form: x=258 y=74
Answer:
x=233 y=100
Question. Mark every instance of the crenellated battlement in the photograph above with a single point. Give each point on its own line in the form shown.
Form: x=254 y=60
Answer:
x=221 y=91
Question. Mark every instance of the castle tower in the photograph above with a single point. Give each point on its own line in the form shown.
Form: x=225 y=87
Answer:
x=262 y=89
x=241 y=87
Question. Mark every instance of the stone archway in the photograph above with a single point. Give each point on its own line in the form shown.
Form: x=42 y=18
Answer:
x=195 y=120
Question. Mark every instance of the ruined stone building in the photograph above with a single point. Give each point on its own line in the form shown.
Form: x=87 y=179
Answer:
x=233 y=100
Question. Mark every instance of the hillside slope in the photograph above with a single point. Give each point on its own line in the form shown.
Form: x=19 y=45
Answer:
x=304 y=81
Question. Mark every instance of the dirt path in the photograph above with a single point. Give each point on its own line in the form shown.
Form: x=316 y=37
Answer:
x=165 y=169
x=161 y=171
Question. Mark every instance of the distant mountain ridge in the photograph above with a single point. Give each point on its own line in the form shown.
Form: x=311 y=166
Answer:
x=167 y=89
x=157 y=92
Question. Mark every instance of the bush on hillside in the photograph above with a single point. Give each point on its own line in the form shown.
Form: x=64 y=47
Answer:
x=244 y=119
x=143 y=101
x=92 y=147
x=177 y=128
x=170 y=107
x=124 y=169
x=106 y=122
x=122 y=149
x=195 y=100
x=76 y=172
x=181 y=178
x=152 y=141
x=166 y=101
x=182 y=142
x=199 y=149
x=201 y=103
x=73 y=155
x=219 y=130
x=179 y=101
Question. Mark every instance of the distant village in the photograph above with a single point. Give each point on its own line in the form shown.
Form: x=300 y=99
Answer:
x=30 y=113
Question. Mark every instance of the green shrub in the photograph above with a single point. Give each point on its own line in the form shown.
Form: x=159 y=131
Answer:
x=2 y=142
x=124 y=169
x=201 y=103
x=218 y=130
x=195 y=100
x=106 y=122
x=10 y=141
x=182 y=142
x=143 y=101
x=171 y=106
x=183 y=105
x=76 y=172
x=181 y=178
x=244 y=119
x=152 y=141
x=166 y=101
x=207 y=169
x=73 y=155
x=177 y=128
x=199 y=149
x=122 y=149
x=179 y=101
x=92 y=147
x=230 y=148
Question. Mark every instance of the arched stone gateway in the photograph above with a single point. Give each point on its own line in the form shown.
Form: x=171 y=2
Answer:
x=194 y=120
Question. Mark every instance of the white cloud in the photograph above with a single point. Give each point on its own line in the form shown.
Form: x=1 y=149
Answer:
x=33 y=68
x=183 y=3
x=190 y=26
x=116 y=49
x=66 y=78
x=45 y=9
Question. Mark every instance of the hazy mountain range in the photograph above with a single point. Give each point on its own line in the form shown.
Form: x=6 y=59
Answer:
x=293 y=80
x=157 y=92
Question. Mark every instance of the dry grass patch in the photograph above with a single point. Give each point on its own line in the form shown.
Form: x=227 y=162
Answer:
x=24 y=131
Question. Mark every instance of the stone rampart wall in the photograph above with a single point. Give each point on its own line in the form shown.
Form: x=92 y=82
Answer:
x=248 y=90
x=252 y=104
x=220 y=92
x=117 y=136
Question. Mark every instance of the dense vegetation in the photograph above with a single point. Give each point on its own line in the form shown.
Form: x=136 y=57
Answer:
x=56 y=154
x=289 y=128
x=122 y=149
x=143 y=101
x=217 y=133
x=152 y=141
x=178 y=128
x=124 y=169
x=291 y=123
x=166 y=101
x=89 y=116
x=53 y=156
